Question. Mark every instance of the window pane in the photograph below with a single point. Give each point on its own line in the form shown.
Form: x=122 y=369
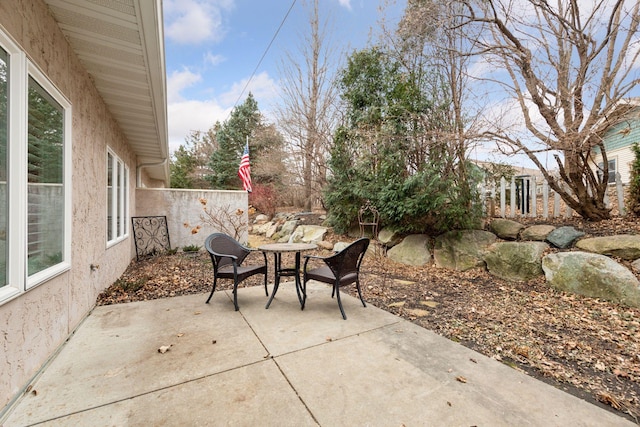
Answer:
x=4 y=131
x=119 y=203
x=109 y=196
x=45 y=180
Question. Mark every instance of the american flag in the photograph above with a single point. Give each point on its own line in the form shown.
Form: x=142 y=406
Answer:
x=244 y=171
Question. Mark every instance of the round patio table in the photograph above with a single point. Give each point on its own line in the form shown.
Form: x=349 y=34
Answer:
x=278 y=249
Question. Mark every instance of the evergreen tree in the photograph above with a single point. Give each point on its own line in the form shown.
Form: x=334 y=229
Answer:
x=393 y=149
x=232 y=136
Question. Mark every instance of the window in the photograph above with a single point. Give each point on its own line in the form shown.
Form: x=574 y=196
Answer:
x=4 y=131
x=612 y=170
x=35 y=177
x=45 y=196
x=117 y=197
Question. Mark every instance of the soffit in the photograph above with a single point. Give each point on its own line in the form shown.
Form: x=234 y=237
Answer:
x=120 y=43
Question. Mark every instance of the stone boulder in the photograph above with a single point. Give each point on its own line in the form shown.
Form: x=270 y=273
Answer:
x=261 y=228
x=272 y=230
x=563 y=237
x=261 y=219
x=506 y=229
x=389 y=238
x=592 y=275
x=463 y=249
x=411 y=251
x=285 y=232
x=340 y=246
x=308 y=234
x=625 y=246
x=515 y=261
x=536 y=233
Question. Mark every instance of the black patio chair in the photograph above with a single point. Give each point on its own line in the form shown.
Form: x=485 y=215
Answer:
x=340 y=269
x=227 y=256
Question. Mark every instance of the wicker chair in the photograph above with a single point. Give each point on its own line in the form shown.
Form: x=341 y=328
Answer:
x=340 y=269
x=227 y=256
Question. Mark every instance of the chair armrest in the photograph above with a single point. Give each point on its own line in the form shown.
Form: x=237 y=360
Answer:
x=218 y=254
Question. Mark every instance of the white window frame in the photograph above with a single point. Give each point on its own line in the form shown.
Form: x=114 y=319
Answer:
x=614 y=170
x=119 y=200
x=20 y=69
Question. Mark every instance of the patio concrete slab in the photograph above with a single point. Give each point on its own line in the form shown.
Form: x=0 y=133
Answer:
x=281 y=366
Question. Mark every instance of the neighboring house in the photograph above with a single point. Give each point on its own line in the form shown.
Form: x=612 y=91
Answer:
x=618 y=140
x=82 y=125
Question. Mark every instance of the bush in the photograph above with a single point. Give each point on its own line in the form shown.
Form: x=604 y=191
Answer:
x=633 y=200
x=264 y=198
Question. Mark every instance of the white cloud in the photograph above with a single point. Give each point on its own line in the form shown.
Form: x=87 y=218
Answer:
x=195 y=21
x=262 y=86
x=187 y=115
x=212 y=59
x=345 y=3
x=191 y=115
x=178 y=81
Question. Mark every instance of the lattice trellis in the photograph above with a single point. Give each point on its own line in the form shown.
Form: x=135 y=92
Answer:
x=151 y=235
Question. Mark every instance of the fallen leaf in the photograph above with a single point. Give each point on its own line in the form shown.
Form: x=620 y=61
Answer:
x=608 y=399
x=431 y=304
x=417 y=312
x=397 y=304
x=164 y=348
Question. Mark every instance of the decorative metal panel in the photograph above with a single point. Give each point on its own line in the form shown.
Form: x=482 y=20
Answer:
x=151 y=235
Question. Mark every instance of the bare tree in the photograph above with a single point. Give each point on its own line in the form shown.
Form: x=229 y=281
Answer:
x=306 y=116
x=568 y=66
x=439 y=58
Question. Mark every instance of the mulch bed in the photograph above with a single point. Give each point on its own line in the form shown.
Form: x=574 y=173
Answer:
x=585 y=346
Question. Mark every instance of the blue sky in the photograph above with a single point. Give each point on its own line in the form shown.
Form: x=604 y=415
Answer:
x=213 y=47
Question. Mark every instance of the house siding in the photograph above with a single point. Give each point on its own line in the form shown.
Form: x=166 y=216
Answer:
x=618 y=141
x=38 y=321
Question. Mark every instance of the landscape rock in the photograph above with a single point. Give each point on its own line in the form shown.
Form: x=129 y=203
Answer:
x=515 y=261
x=411 y=251
x=537 y=233
x=463 y=249
x=272 y=230
x=323 y=244
x=261 y=228
x=592 y=275
x=389 y=238
x=285 y=232
x=625 y=246
x=340 y=246
x=261 y=219
x=308 y=234
x=563 y=237
x=506 y=229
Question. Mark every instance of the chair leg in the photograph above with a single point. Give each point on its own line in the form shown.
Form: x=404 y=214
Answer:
x=359 y=292
x=215 y=279
x=235 y=295
x=304 y=291
x=337 y=291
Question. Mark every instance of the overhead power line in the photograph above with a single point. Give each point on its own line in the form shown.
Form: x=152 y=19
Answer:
x=264 y=54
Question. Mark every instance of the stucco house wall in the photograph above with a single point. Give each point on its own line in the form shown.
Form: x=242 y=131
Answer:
x=183 y=206
x=38 y=321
